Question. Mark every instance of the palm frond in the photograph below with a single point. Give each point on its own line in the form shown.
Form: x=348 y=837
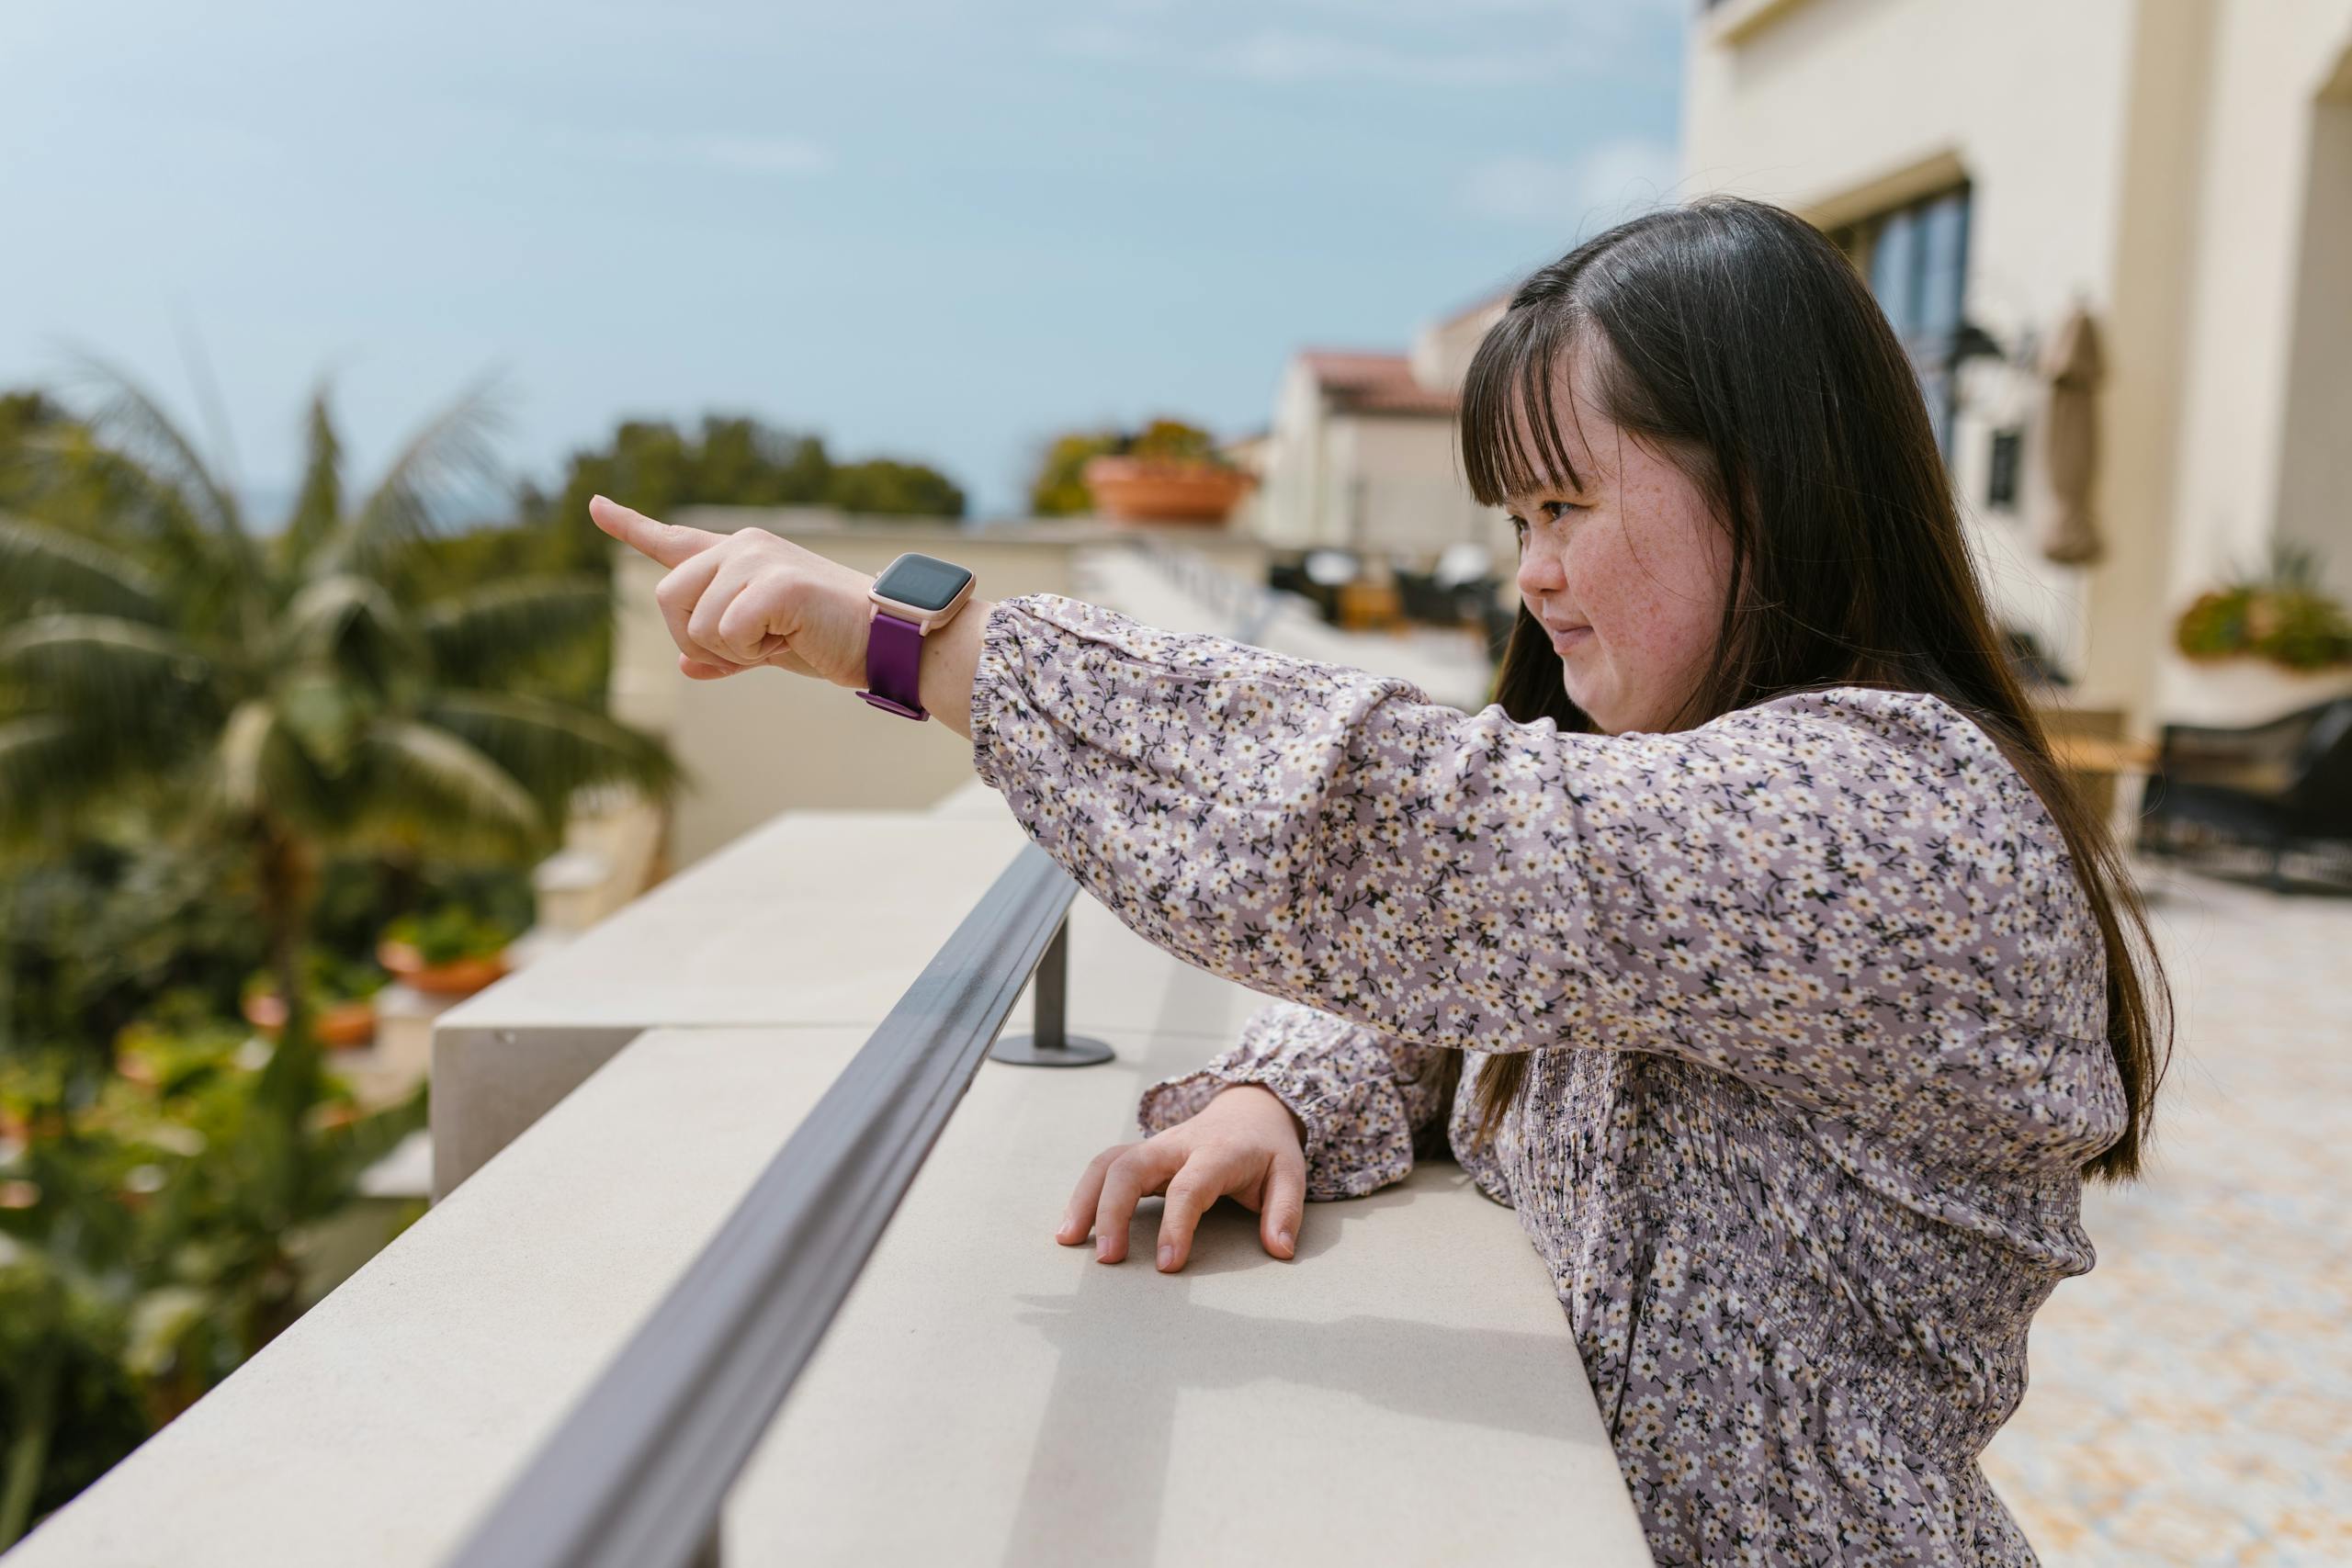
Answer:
x=451 y=452
x=61 y=772
x=135 y=424
x=138 y=430
x=351 y=623
x=40 y=758
x=475 y=635
x=47 y=566
x=256 y=768
x=318 y=506
x=101 y=493
x=551 y=748
x=242 y=762
x=423 y=779
x=104 y=671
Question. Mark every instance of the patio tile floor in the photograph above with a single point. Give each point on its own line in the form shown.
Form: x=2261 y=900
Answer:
x=2192 y=1396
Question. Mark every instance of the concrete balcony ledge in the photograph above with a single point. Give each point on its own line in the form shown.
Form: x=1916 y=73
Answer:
x=818 y=917
x=1405 y=1390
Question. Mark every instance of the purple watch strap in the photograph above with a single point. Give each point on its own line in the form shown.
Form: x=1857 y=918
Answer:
x=894 y=665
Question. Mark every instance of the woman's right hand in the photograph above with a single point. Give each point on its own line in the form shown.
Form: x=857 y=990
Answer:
x=1244 y=1144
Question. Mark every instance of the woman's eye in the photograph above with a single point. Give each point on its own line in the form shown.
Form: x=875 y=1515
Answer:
x=1551 y=509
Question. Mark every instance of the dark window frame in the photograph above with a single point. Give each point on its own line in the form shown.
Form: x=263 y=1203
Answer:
x=1922 y=285
x=2004 y=468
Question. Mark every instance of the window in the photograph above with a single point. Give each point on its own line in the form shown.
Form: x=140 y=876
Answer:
x=2001 y=481
x=1915 y=259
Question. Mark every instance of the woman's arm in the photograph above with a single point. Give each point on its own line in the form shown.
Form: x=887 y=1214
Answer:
x=1846 y=899
x=1360 y=1097
x=1839 y=896
x=950 y=656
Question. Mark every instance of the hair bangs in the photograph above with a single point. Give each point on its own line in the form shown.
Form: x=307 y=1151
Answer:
x=1510 y=434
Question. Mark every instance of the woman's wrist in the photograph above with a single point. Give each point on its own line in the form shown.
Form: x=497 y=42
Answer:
x=1297 y=1123
x=951 y=658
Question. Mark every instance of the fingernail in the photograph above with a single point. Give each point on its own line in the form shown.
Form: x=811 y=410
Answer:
x=1166 y=1255
x=1102 y=1247
x=1282 y=1239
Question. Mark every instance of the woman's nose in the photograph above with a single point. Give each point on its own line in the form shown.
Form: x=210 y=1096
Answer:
x=1539 y=572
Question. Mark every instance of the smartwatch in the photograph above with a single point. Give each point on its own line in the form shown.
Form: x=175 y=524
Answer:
x=914 y=595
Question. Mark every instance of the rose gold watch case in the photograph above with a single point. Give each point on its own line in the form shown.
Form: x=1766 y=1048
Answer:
x=925 y=621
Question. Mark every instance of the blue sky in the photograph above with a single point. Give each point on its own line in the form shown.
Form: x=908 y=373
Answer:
x=920 y=228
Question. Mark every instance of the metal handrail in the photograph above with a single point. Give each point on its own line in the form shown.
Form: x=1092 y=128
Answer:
x=636 y=1473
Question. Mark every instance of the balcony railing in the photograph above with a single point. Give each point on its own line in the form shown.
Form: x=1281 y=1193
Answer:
x=635 y=1476
x=701 y=1186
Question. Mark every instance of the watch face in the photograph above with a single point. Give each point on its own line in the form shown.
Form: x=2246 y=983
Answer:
x=925 y=582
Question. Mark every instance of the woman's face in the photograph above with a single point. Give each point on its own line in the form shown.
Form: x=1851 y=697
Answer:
x=1627 y=573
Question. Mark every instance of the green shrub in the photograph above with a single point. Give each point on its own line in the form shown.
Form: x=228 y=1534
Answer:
x=450 y=933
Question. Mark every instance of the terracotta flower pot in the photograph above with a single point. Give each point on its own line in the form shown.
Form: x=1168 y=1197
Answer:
x=1162 y=490
x=459 y=977
x=339 y=1026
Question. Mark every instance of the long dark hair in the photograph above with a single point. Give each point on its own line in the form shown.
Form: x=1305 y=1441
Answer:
x=1734 y=339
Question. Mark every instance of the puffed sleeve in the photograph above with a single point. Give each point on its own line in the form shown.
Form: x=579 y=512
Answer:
x=1847 y=897
x=1364 y=1097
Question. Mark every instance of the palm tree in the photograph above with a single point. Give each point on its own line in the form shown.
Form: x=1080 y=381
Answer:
x=298 y=694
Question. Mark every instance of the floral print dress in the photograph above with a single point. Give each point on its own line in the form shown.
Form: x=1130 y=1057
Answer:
x=1817 y=1008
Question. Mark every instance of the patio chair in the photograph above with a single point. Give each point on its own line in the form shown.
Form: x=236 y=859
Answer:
x=2285 y=784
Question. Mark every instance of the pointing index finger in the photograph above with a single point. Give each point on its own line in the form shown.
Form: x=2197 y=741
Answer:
x=665 y=542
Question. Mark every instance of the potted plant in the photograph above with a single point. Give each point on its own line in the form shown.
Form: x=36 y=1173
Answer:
x=2262 y=645
x=342 y=994
x=1167 y=472
x=450 y=951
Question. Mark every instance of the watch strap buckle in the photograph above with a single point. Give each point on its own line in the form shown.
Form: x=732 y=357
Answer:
x=894 y=705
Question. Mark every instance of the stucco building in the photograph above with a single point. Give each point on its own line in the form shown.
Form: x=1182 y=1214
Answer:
x=2180 y=169
x=1362 y=452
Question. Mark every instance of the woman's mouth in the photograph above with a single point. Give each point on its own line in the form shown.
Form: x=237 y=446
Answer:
x=1564 y=641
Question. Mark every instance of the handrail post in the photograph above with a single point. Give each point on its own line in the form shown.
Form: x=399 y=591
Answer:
x=1051 y=1046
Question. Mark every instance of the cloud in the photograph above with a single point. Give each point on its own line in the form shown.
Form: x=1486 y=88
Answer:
x=1277 y=55
x=1606 y=184
x=776 y=155
x=1444 y=43
x=754 y=153
x=1097 y=40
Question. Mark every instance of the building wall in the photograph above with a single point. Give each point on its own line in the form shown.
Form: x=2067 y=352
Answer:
x=1444 y=349
x=1291 y=513
x=1842 y=109
x=1380 y=483
x=2266 y=431
x=2184 y=168
x=1442 y=353
x=2315 y=456
x=1398 y=487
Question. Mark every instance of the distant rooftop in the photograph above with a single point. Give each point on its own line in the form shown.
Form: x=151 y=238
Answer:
x=1358 y=383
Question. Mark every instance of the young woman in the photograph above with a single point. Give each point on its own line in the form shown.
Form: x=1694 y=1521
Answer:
x=1793 y=993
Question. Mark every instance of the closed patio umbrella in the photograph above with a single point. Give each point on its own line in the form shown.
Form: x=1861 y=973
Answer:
x=2074 y=367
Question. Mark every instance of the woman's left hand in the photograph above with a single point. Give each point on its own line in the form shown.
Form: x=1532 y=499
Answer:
x=738 y=601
